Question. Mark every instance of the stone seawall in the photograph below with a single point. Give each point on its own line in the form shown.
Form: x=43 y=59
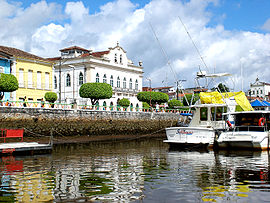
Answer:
x=38 y=121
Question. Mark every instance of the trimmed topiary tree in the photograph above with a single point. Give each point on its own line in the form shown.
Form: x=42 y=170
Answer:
x=50 y=97
x=8 y=83
x=174 y=104
x=95 y=91
x=124 y=102
x=155 y=97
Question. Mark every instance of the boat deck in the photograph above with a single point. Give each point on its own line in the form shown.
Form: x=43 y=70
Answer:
x=24 y=147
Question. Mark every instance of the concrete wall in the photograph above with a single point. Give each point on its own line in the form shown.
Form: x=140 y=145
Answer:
x=40 y=122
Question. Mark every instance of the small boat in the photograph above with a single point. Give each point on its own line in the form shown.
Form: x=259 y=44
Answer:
x=21 y=147
x=251 y=130
x=208 y=120
x=205 y=124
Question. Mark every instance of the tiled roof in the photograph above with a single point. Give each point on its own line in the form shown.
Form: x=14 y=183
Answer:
x=159 y=88
x=19 y=53
x=74 y=47
x=54 y=59
x=100 y=53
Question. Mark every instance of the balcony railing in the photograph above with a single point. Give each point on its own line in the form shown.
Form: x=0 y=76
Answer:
x=125 y=90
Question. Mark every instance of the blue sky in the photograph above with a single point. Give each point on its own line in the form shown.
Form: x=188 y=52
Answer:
x=228 y=33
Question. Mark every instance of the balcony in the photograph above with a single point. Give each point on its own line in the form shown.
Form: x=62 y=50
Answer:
x=125 y=90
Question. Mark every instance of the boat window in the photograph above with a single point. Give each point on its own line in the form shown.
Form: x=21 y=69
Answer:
x=203 y=114
x=216 y=113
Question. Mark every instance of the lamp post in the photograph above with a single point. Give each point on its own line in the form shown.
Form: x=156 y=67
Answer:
x=73 y=78
x=150 y=91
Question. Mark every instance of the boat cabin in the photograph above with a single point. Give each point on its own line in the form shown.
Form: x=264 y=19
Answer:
x=251 y=121
x=209 y=116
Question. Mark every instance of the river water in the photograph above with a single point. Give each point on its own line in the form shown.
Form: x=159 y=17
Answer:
x=135 y=171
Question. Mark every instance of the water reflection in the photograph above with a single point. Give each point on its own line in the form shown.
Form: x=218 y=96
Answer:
x=136 y=171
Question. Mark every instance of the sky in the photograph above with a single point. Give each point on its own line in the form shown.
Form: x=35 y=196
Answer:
x=173 y=38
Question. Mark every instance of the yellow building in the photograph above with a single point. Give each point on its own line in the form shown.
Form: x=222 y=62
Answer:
x=33 y=73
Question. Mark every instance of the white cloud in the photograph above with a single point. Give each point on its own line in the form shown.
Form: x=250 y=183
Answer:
x=122 y=21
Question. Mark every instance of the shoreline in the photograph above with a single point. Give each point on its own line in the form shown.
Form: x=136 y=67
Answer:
x=88 y=139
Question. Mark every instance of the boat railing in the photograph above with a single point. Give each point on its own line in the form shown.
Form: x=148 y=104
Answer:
x=250 y=128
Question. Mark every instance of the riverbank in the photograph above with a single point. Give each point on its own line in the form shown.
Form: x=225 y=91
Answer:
x=68 y=126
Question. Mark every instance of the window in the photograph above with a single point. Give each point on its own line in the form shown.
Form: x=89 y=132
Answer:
x=257 y=91
x=55 y=82
x=111 y=81
x=39 y=80
x=136 y=85
x=253 y=92
x=203 y=113
x=104 y=78
x=130 y=83
x=47 y=81
x=68 y=80
x=115 y=58
x=118 y=81
x=80 y=78
x=124 y=83
x=261 y=91
x=30 y=78
x=121 y=59
x=21 y=81
x=97 y=77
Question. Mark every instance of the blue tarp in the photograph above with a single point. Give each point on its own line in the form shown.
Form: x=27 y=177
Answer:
x=186 y=114
x=258 y=103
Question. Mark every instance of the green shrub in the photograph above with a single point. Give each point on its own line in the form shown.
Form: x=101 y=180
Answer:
x=124 y=102
x=154 y=97
x=50 y=97
x=174 y=104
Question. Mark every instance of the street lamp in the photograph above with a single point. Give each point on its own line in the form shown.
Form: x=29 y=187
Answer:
x=73 y=78
x=150 y=90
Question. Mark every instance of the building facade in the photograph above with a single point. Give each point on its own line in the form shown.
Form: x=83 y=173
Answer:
x=33 y=73
x=5 y=64
x=259 y=89
x=77 y=65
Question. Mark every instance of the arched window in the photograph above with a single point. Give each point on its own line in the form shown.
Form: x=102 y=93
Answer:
x=136 y=85
x=80 y=78
x=115 y=58
x=124 y=83
x=121 y=61
x=130 y=83
x=97 y=77
x=68 y=80
x=111 y=81
x=104 y=78
x=118 y=82
x=55 y=82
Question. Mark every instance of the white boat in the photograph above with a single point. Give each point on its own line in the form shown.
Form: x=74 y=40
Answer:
x=251 y=130
x=208 y=120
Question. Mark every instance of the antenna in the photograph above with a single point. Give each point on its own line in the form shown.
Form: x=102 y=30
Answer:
x=166 y=57
x=194 y=44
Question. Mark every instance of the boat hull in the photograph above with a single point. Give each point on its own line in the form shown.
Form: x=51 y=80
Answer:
x=190 y=136
x=244 y=140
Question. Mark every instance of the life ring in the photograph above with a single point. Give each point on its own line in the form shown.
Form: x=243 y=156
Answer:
x=261 y=121
x=229 y=123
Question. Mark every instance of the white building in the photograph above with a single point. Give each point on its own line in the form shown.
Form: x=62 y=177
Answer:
x=78 y=65
x=259 y=89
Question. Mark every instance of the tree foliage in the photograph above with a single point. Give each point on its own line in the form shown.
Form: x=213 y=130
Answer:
x=174 y=104
x=95 y=91
x=50 y=97
x=8 y=83
x=187 y=102
x=156 y=97
x=124 y=102
x=145 y=105
x=221 y=88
